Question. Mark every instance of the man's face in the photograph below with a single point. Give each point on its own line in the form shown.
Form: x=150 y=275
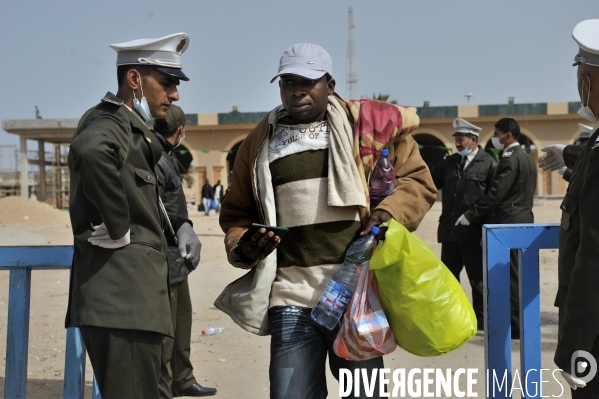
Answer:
x=502 y=136
x=462 y=142
x=306 y=100
x=160 y=91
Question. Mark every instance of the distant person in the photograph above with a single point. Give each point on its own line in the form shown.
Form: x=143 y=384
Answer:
x=183 y=256
x=581 y=141
x=298 y=168
x=509 y=200
x=118 y=293
x=207 y=197
x=465 y=177
x=577 y=294
x=218 y=195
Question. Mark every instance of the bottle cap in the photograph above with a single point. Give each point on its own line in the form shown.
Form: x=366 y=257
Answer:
x=375 y=230
x=385 y=152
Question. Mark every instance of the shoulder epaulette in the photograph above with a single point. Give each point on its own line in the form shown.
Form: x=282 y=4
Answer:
x=113 y=100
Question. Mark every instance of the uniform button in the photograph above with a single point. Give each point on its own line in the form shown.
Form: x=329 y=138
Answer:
x=455 y=195
x=147 y=177
x=147 y=252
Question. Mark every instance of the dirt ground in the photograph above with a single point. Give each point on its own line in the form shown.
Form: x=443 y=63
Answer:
x=235 y=362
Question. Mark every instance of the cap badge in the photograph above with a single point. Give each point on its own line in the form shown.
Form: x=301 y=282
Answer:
x=310 y=62
x=181 y=45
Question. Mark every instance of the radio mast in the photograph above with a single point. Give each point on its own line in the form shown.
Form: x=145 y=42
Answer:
x=352 y=77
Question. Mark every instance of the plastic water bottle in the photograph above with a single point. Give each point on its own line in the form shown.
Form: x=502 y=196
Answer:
x=338 y=292
x=382 y=180
x=213 y=330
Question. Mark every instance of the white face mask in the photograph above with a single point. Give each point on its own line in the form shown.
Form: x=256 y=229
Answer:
x=496 y=143
x=180 y=140
x=142 y=107
x=466 y=151
x=585 y=111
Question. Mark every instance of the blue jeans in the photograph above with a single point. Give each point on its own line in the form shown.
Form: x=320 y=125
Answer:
x=298 y=352
x=206 y=202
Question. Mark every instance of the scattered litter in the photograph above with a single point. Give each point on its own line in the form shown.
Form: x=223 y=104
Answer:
x=222 y=360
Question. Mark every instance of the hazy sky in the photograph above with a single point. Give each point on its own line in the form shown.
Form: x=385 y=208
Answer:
x=55 y=54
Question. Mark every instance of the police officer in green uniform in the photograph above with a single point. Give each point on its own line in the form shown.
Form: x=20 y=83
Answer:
x=578 y=291
x=182 y=242
x=118 y=294
x=509 y=200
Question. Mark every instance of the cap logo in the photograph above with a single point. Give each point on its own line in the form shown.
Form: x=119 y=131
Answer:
x=180 y=46
x=310 y=62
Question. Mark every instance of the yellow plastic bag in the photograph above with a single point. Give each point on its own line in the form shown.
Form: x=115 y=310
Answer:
x=427 y=308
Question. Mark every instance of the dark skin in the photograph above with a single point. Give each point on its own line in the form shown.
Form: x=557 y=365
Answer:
x=306 y=101
x=159 y=89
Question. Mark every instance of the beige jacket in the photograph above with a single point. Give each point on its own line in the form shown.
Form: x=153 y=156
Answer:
x=251 y=200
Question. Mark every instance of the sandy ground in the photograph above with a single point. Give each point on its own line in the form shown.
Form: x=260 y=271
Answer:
x=235 y=362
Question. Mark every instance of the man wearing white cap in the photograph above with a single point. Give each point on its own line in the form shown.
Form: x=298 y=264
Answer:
x=464 y=177
x=578 y=294
x=118 y=294
x=299 y=168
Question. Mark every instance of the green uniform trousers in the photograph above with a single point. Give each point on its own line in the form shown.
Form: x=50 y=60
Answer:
x=176 y=351
x=127 y=363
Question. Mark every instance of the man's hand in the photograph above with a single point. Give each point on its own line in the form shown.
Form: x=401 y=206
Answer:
x=258 y=246
x=573 y=381
x=554 y=157
x=377 y=217
x=462 y=220
x=189 y=246
x=101 y=238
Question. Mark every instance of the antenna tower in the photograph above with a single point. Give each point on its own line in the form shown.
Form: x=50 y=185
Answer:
x=352 y=78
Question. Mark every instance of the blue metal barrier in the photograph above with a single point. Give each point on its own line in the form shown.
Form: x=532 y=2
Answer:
x=528 y=239
x=20 y=261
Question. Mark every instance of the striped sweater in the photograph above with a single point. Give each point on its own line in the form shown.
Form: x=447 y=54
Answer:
x=318 y=234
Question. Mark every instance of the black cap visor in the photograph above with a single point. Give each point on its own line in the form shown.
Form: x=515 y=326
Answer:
x=176 y=72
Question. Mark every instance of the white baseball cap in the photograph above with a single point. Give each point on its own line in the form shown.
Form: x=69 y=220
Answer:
x=307 y=60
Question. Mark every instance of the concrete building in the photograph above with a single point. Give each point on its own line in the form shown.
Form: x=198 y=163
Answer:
x=213 y=139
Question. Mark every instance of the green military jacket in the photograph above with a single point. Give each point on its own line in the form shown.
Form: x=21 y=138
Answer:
x=578 y=263
x=510 y=198
x=111 y=163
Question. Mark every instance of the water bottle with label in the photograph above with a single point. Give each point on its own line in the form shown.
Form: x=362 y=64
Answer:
x=338 y=292
x=382 y=180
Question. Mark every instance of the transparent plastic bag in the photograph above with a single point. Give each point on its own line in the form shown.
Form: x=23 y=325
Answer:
x=364 y=333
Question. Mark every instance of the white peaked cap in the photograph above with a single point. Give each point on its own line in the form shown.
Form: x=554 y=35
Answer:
x=164 y=53
x=586 y=34
x=460 y=126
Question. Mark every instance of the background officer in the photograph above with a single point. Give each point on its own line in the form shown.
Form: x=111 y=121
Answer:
x=509 y=200
x=577 y=295
x=170 y=132
x=464 y=177
x=118 y=294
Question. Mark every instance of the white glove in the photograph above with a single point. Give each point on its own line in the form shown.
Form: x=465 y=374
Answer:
x=573 y=381
x=562 y=170
x=554 y=159
x=101 y=238
x=189 y=245
x=462 y=220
